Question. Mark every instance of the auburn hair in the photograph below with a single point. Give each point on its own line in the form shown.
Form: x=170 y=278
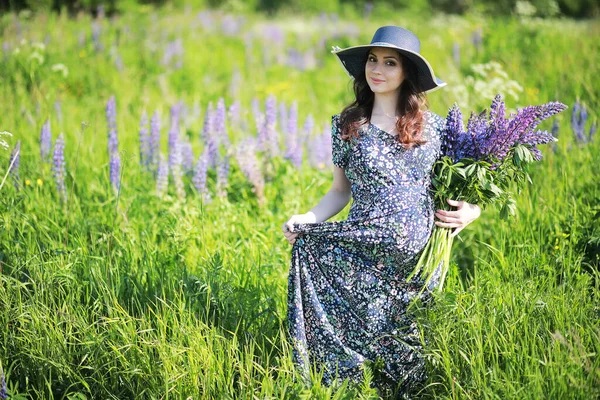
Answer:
x=411 y=105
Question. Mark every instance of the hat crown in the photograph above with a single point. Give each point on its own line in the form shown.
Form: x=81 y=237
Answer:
x=398 y=37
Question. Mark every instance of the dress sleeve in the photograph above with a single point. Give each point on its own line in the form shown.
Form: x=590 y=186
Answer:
x=339 y=147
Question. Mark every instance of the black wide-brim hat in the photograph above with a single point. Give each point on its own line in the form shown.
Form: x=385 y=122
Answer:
x=404 y=41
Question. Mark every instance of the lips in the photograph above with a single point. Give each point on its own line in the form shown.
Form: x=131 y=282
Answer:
x=376 y=80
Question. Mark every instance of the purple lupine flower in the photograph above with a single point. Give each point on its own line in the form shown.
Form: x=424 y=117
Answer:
x=174 y=151
x=368 y=9
x=58 y=110
x=578 y=120
x=294 y=148
x=113 y=143
x=477 y=39
x=115 y=171
x=200 y=171
x=209 y=136
x=15 y=160
x=6 y=50
x=456 y=53
x=234 y=114
x=454 y=130
x=222 y=175
x=251 y=167
x=320 y=156
x=3 y=388
x=592 y=131
x=145 y=150
x=283 y=118
x=178 y=181
x=270 y=134
x=307 y=129
x=45 y=141
x=96 y=31
x=59 y=166
x=154 y=140
x=187 y=155
x=221 y=124
x=162 y=175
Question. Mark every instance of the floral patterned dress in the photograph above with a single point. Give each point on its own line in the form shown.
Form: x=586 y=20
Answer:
x=347 y=289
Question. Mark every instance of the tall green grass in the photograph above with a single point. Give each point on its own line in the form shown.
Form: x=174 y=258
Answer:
x=136 y=296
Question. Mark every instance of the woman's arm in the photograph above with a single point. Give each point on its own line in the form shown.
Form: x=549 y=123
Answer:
x=332 y=203
x=336 y=198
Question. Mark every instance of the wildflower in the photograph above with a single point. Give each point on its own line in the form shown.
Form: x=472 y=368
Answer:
x=145 y=149
x=39 y=182
x=208 y=135
x=154 y=140
x=578 y=120
x=58 y=166
x=307 y=129
x=200 y=170
x=58 y=110
x=113 y=143
x=174 y=153
x=15 y=159
x=234 y=114
x=162 y=176
x=270 y=133
x=45 y=141
x=220 y=124
x=250 y=166
x=222 y=174
x=187 y=155
x=294 y=149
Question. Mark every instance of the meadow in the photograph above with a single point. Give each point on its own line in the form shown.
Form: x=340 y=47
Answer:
x=130 y=272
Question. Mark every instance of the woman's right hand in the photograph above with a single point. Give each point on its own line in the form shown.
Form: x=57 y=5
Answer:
x=288 y=227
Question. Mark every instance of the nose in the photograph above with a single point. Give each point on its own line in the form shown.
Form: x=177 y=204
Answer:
x=375 y=68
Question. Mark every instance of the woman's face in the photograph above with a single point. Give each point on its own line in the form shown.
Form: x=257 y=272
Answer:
x=383 y=70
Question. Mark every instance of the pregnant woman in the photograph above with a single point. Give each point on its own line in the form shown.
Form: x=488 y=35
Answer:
x=347 y=289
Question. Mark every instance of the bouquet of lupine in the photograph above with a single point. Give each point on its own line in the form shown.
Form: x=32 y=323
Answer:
x=481 y=165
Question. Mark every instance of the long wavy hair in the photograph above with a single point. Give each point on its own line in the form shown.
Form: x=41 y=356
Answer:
x=411 y=105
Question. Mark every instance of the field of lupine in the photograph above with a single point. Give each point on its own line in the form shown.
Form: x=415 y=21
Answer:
x=155 y=155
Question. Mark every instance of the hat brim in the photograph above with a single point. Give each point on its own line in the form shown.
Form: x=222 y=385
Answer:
x=353 y=61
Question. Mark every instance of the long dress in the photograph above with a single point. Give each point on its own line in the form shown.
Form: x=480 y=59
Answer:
x=347 y=289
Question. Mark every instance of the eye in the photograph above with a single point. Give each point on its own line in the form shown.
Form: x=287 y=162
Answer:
x=372 y=59
x=391 y=63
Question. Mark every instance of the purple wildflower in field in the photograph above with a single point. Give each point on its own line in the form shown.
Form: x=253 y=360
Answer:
x=58 y=166
x=200 y=171
x=270 y=133
x=5 y=50
x=231 y=25
x=144 y=141
x=15 y=160
x=3 y=388
x=477 y=39
x=174 y=150
x=154 y=140
x=307 y=130
x=58 y=110
x=368 y=9
x=251 y=167
x=45 y=141
x=221 y=124
x=234 y=114
x=96 y=32
x=206 y=20
x=113 y=143
x=283 y=117
x=579 y=118
x=208 y=135
x=320 y=145
x=187 y=155
x=222 y=175
x=294 y=148
x=456 y=53
x=162 y=176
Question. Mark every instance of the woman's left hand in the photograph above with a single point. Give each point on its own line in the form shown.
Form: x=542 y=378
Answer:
x=459 y=219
